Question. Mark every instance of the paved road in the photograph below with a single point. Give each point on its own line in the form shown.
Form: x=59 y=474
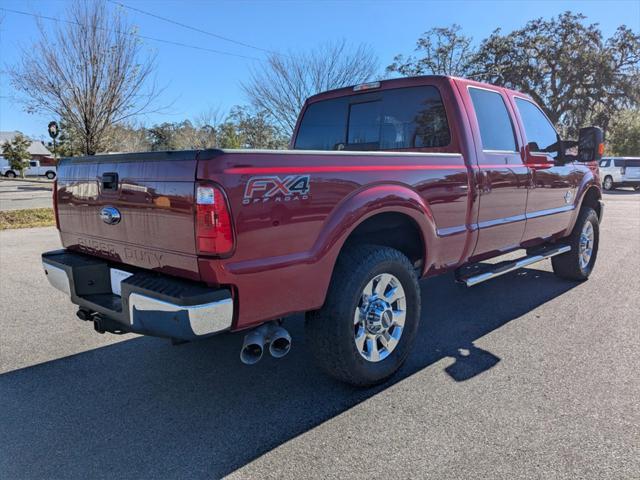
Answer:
x=21 y=194
x=526 y=376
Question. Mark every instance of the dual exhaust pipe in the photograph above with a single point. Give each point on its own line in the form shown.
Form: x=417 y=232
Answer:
x=268 y=336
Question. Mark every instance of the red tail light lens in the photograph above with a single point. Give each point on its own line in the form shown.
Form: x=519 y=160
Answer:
x=214 y=233
x=55 y=203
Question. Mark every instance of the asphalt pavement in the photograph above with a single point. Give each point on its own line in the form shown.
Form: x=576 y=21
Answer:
x=22 y=194
x=527 y=376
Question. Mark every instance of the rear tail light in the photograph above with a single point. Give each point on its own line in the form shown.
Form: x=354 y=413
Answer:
x=214 y=232
x=55 y=203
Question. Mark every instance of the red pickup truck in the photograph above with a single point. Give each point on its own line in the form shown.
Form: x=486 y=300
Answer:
x=384 y=183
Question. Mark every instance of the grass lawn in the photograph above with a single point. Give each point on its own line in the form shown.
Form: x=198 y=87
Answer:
x=32 y=217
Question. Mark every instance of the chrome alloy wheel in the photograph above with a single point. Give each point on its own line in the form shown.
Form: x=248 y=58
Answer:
x=585 y=247
x=379 y=317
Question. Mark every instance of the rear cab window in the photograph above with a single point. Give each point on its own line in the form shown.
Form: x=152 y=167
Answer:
x=494 y=121
x=392 y=119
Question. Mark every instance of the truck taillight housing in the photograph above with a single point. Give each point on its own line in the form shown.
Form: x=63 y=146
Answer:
x=55 y=203
x=214 y=232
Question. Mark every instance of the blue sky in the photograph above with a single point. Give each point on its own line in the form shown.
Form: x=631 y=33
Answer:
x=197 y=80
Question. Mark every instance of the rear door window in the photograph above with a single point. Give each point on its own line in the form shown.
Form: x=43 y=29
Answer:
x=496 y=129
x=541 y=136
x=411 y=117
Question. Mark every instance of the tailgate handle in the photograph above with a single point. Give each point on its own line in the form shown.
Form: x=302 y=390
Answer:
x=110 y=181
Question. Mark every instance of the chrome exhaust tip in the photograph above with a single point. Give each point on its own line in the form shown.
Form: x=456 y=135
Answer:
x=270 y=335
x=253 y=346
x=279 y=342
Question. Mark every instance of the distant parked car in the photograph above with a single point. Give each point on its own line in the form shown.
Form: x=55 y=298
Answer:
x=620 y=172
x=33 y=170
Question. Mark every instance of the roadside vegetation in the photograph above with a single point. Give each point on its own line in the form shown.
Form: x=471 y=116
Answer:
x=16 y=152
x=32 y=217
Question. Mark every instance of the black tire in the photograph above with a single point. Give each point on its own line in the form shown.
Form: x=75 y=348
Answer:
x=607 y=183
x=568 y=264
x=50 y=175
x=10 y=174
x=330 y=330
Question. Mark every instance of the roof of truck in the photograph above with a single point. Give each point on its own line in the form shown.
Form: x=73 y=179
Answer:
x=399 y=83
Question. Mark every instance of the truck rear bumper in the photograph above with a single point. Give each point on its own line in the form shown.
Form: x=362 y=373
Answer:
x=149 y=303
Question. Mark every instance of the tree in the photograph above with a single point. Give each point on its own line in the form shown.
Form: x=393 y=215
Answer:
x=90 y=70
x=17 y=152
x=624 y=134
x=252 y=130
x=567 y=67
x=127 y=138
x=442 y=51
x=280 y=87
x=578 y=77
x=241 y=128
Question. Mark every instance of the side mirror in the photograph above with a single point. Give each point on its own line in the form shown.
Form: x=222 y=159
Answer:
x=590 y=144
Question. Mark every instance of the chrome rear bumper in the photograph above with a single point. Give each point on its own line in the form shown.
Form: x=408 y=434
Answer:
x=149 y=304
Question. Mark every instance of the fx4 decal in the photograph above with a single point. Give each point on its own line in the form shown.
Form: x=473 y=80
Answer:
x=272 y=188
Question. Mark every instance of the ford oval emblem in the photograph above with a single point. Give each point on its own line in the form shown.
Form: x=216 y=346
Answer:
x=110 y=215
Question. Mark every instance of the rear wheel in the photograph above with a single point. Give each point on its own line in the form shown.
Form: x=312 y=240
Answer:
x=10 y=174
x=607 y=184
x=50 y=175
x=365 y=329
x=577 y=264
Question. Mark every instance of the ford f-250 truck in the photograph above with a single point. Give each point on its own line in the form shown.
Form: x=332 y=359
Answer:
x=384 y=183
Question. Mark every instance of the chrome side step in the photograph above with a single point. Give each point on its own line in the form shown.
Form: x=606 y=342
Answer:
x=515 y=265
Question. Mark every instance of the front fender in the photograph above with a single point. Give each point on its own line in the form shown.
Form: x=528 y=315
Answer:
x=589 y=186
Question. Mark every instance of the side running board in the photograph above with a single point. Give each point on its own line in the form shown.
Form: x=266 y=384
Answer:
x=472 y=280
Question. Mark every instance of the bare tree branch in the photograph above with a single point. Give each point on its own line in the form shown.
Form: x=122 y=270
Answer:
x=280 y=87
x=90 y=71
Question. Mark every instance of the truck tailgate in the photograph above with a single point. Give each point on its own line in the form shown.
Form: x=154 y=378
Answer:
x=153 y=196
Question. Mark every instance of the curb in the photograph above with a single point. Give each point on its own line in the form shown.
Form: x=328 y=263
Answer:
x=35 y=180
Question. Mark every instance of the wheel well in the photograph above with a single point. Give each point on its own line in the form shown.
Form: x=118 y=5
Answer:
x=591 y=199
x=394 y=230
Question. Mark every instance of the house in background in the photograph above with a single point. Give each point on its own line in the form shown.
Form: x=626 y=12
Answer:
x=37 y=149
